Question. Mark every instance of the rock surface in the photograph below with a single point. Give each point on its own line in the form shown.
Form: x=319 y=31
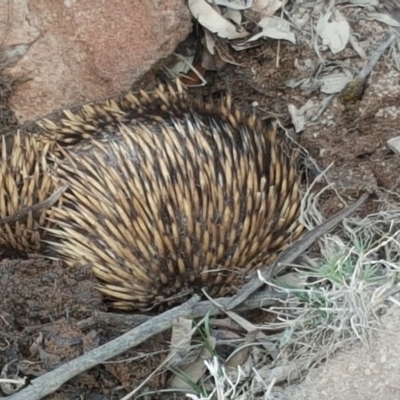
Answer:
x=75 y=51
x=359 y=374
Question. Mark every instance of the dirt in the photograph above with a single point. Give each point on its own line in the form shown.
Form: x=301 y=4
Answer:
x=42 y=307
x=43 y=304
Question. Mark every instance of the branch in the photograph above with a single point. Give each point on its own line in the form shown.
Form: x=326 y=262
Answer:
x=264 y=298
x=36 y=208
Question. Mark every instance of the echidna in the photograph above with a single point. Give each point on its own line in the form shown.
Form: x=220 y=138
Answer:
x=167 y=196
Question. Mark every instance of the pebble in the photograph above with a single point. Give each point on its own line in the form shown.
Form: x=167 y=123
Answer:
x=394 y=144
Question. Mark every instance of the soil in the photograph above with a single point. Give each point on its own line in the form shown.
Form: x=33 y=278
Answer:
x=43 y=304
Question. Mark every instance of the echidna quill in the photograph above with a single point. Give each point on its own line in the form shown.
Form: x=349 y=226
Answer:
x=166 y=196
x=25 y=185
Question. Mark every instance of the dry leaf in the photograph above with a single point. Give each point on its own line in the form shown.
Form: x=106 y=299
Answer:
x=275 y=28
x=181 y=336
x=212 y=62
x=233 y=4
x=241 y=356
x=209 y=42
x=244 y=45
x=394 y=144
x=302 y=21
x=182 y=66
x=224 y=53
x=233 y=15
x=214 y=22
x=384 y=18
x=194 y=371
x=364 y=3
x=334 y=83
x=356 y=46
x=267 y=7
x=296 y=280
x=334 y=34
x=298 y=116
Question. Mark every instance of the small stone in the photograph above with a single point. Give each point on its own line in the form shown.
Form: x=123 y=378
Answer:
x=394 y=144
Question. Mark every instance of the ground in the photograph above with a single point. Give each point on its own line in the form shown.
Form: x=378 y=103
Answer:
x=43 y=304
x=358 y=373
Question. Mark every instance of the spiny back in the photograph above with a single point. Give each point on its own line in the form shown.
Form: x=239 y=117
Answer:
x=102 y=118
x=175 y=200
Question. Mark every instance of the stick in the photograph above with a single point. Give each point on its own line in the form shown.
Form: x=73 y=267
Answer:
x=265 y=298
x=376 y=55
x=51 y=381
x=36 y=208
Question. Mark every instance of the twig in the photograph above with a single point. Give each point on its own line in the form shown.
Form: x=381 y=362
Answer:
x=278 y=50
x=376 y=55
x=354 y=90
x=264 y=298
x=291 y=253
x=36 y=208
x=51 y=381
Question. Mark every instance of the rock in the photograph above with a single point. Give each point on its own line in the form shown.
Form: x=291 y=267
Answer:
x=359 y=373
x=394 y=144
x=75 y=51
